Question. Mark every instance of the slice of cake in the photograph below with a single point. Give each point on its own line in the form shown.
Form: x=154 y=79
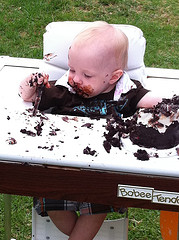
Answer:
x=156 y=127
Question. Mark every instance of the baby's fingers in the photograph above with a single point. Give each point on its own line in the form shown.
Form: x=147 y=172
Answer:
x=35 y=79
x=46 y=78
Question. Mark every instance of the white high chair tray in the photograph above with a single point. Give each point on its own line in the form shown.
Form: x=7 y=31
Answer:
x=64 y=150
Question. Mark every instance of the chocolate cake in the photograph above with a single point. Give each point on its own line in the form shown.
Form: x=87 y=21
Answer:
x=156 y=127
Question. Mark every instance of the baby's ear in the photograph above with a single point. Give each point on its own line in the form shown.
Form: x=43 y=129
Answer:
x=116 y=75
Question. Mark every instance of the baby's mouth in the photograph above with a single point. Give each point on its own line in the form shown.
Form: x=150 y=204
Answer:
x=85 y=91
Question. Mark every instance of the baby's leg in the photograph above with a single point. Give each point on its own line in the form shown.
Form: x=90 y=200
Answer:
x=87 y=226
x=64 y=220
x=84 y=227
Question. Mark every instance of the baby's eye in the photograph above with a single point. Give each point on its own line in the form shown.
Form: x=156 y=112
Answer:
x=87 y=76
x=71 y=70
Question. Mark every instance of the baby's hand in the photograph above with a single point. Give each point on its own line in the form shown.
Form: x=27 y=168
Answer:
x=36 y=79
x=29 y=86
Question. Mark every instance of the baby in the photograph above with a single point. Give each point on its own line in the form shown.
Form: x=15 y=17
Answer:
x=96 y=84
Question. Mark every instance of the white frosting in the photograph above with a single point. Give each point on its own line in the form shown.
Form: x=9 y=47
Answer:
x=145 y=119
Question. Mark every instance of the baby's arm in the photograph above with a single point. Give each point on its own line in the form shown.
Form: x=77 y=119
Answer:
x=149 y=100
x=27 y=88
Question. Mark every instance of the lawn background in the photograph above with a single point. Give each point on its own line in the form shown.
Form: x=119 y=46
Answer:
x=22 y=24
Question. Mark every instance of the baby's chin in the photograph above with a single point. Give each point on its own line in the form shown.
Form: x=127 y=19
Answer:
x=85 y=92
x=82 y=94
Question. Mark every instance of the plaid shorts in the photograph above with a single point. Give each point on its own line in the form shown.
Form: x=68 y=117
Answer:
x=43 y=205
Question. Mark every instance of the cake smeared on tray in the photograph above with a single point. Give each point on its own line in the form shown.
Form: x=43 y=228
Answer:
x=148 y=133
x=156 y=127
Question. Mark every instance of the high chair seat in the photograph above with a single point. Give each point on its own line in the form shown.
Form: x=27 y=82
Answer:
x=43 y=228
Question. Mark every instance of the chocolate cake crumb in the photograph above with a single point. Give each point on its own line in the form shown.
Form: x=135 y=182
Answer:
x=88 y=151
x=45 y=147
x=88 y=125
x=29 y=133
x=141 y=155
x=107 y=146
x=11 y=141
x=75 y=119
x=116 y=127
x=38 y=128
x=65 y=119
x=51 y=148
x=8 y=118
x=52 y=133
x=156 y=155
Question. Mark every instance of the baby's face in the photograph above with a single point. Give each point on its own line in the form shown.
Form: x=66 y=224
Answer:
x=89 y=74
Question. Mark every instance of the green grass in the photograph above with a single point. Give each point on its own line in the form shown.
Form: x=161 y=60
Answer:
x=22 y=24
x=21 y=215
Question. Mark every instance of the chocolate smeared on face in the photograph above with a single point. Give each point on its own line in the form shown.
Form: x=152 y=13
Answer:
x=84 y=91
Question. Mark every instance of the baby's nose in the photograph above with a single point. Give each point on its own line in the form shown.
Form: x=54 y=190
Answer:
x=77 y=79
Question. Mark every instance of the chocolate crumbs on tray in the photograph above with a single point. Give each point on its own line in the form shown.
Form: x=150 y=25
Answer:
x=47 y=148
x=28 y=132
x=38 y=128
x=11 y=141
x=88 y=151
x=141 y=155
x=65 y=119
x=107 y=146
x=88 y=125
x=156 y=155
x=117 y=129
x=146 y=135
x=116 y=126
x=52 y=133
